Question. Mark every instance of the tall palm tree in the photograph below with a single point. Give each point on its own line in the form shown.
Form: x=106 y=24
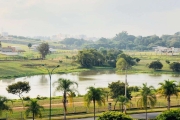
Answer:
x=147 y=96
x=65 y=86
x=34 y=108
x=167 y=89
x=95 y=95
x=123 y=100
x=3 y=106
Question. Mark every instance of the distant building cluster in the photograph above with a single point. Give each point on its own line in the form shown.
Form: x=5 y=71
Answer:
x=160 y=49
x=61 y=36
x=11 y=49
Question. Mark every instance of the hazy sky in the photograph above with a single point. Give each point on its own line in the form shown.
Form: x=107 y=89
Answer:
x=100 y=18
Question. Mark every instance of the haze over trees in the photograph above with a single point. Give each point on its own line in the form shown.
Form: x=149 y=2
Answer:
x=124 y=41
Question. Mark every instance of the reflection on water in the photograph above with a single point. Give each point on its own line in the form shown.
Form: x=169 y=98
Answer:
x=99 y=78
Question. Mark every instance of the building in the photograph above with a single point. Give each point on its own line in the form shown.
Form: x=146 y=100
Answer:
x=160 y=49
x=8 y=49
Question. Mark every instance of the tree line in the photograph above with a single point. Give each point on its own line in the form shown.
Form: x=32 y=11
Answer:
x=124 y=41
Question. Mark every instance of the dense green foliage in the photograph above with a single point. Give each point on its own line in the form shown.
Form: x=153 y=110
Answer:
x=18 y=89
x=43 y=49
x=167 y=89
x=156 y=65
x=114 y=115
x=175 y=66
x=118 y=88
x=134 y=88
x=89 y=58
x=169 y=115
x=3 y=105
x=34 y=108
x=124 y=41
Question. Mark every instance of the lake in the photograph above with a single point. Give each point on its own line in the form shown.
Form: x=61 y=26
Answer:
x=40 y=83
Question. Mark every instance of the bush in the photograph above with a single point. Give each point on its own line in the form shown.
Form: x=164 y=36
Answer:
x=175 y=66
x=26 y=98
x=114 y=115
x=156 y=65
x=169 y=115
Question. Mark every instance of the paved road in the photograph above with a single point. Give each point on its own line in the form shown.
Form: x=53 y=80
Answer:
x=136 y=116
x=143 y=115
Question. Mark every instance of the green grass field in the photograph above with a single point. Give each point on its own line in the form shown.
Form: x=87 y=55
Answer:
x=78 y=109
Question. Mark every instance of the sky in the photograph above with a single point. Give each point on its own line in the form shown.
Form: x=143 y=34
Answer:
x=98 y=18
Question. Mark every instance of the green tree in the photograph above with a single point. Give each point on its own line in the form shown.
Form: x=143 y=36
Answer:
x=167 y=89
x=95 y=95
x=18 y=89
x=89 y=58
x=3 y=106
x=114 y=115
x=121 y=64
x=156 y=65
x=118 y=88
x=65 y=86
x=34 y=108
x=131 y=61
x=29 y=45
x=43 y=49
x=175 y=66
x=123 y=100
x=147 y=97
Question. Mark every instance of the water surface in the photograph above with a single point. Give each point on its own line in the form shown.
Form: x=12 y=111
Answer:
x=40 y=84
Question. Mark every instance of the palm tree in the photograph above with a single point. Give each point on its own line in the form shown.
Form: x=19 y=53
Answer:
x=123 y=100
x=65 y=86
x=34 y=108
x=167 y=89
x=3 y=106
x=147 y=96
x=95 y=95
x=71 y=95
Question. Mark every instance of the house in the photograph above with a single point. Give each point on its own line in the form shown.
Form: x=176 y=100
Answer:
x=160 y=49
x=8 y=49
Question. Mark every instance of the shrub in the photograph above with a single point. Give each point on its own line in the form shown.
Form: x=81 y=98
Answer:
x=26 y=98
x=156 y=65
x=169 y=115
x=175 y=66
x=114 y=115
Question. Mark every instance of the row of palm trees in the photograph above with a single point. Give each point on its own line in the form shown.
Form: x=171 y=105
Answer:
x=147 y=96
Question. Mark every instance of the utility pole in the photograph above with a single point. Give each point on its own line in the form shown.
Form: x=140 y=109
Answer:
x=125 y=87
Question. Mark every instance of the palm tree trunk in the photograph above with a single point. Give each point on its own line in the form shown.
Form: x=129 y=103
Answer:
x=169 y=102
x=146 y=112
x=33 y=115
x=64 y=104
x=94 y=109
x=115 y=105
x=122 y=107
